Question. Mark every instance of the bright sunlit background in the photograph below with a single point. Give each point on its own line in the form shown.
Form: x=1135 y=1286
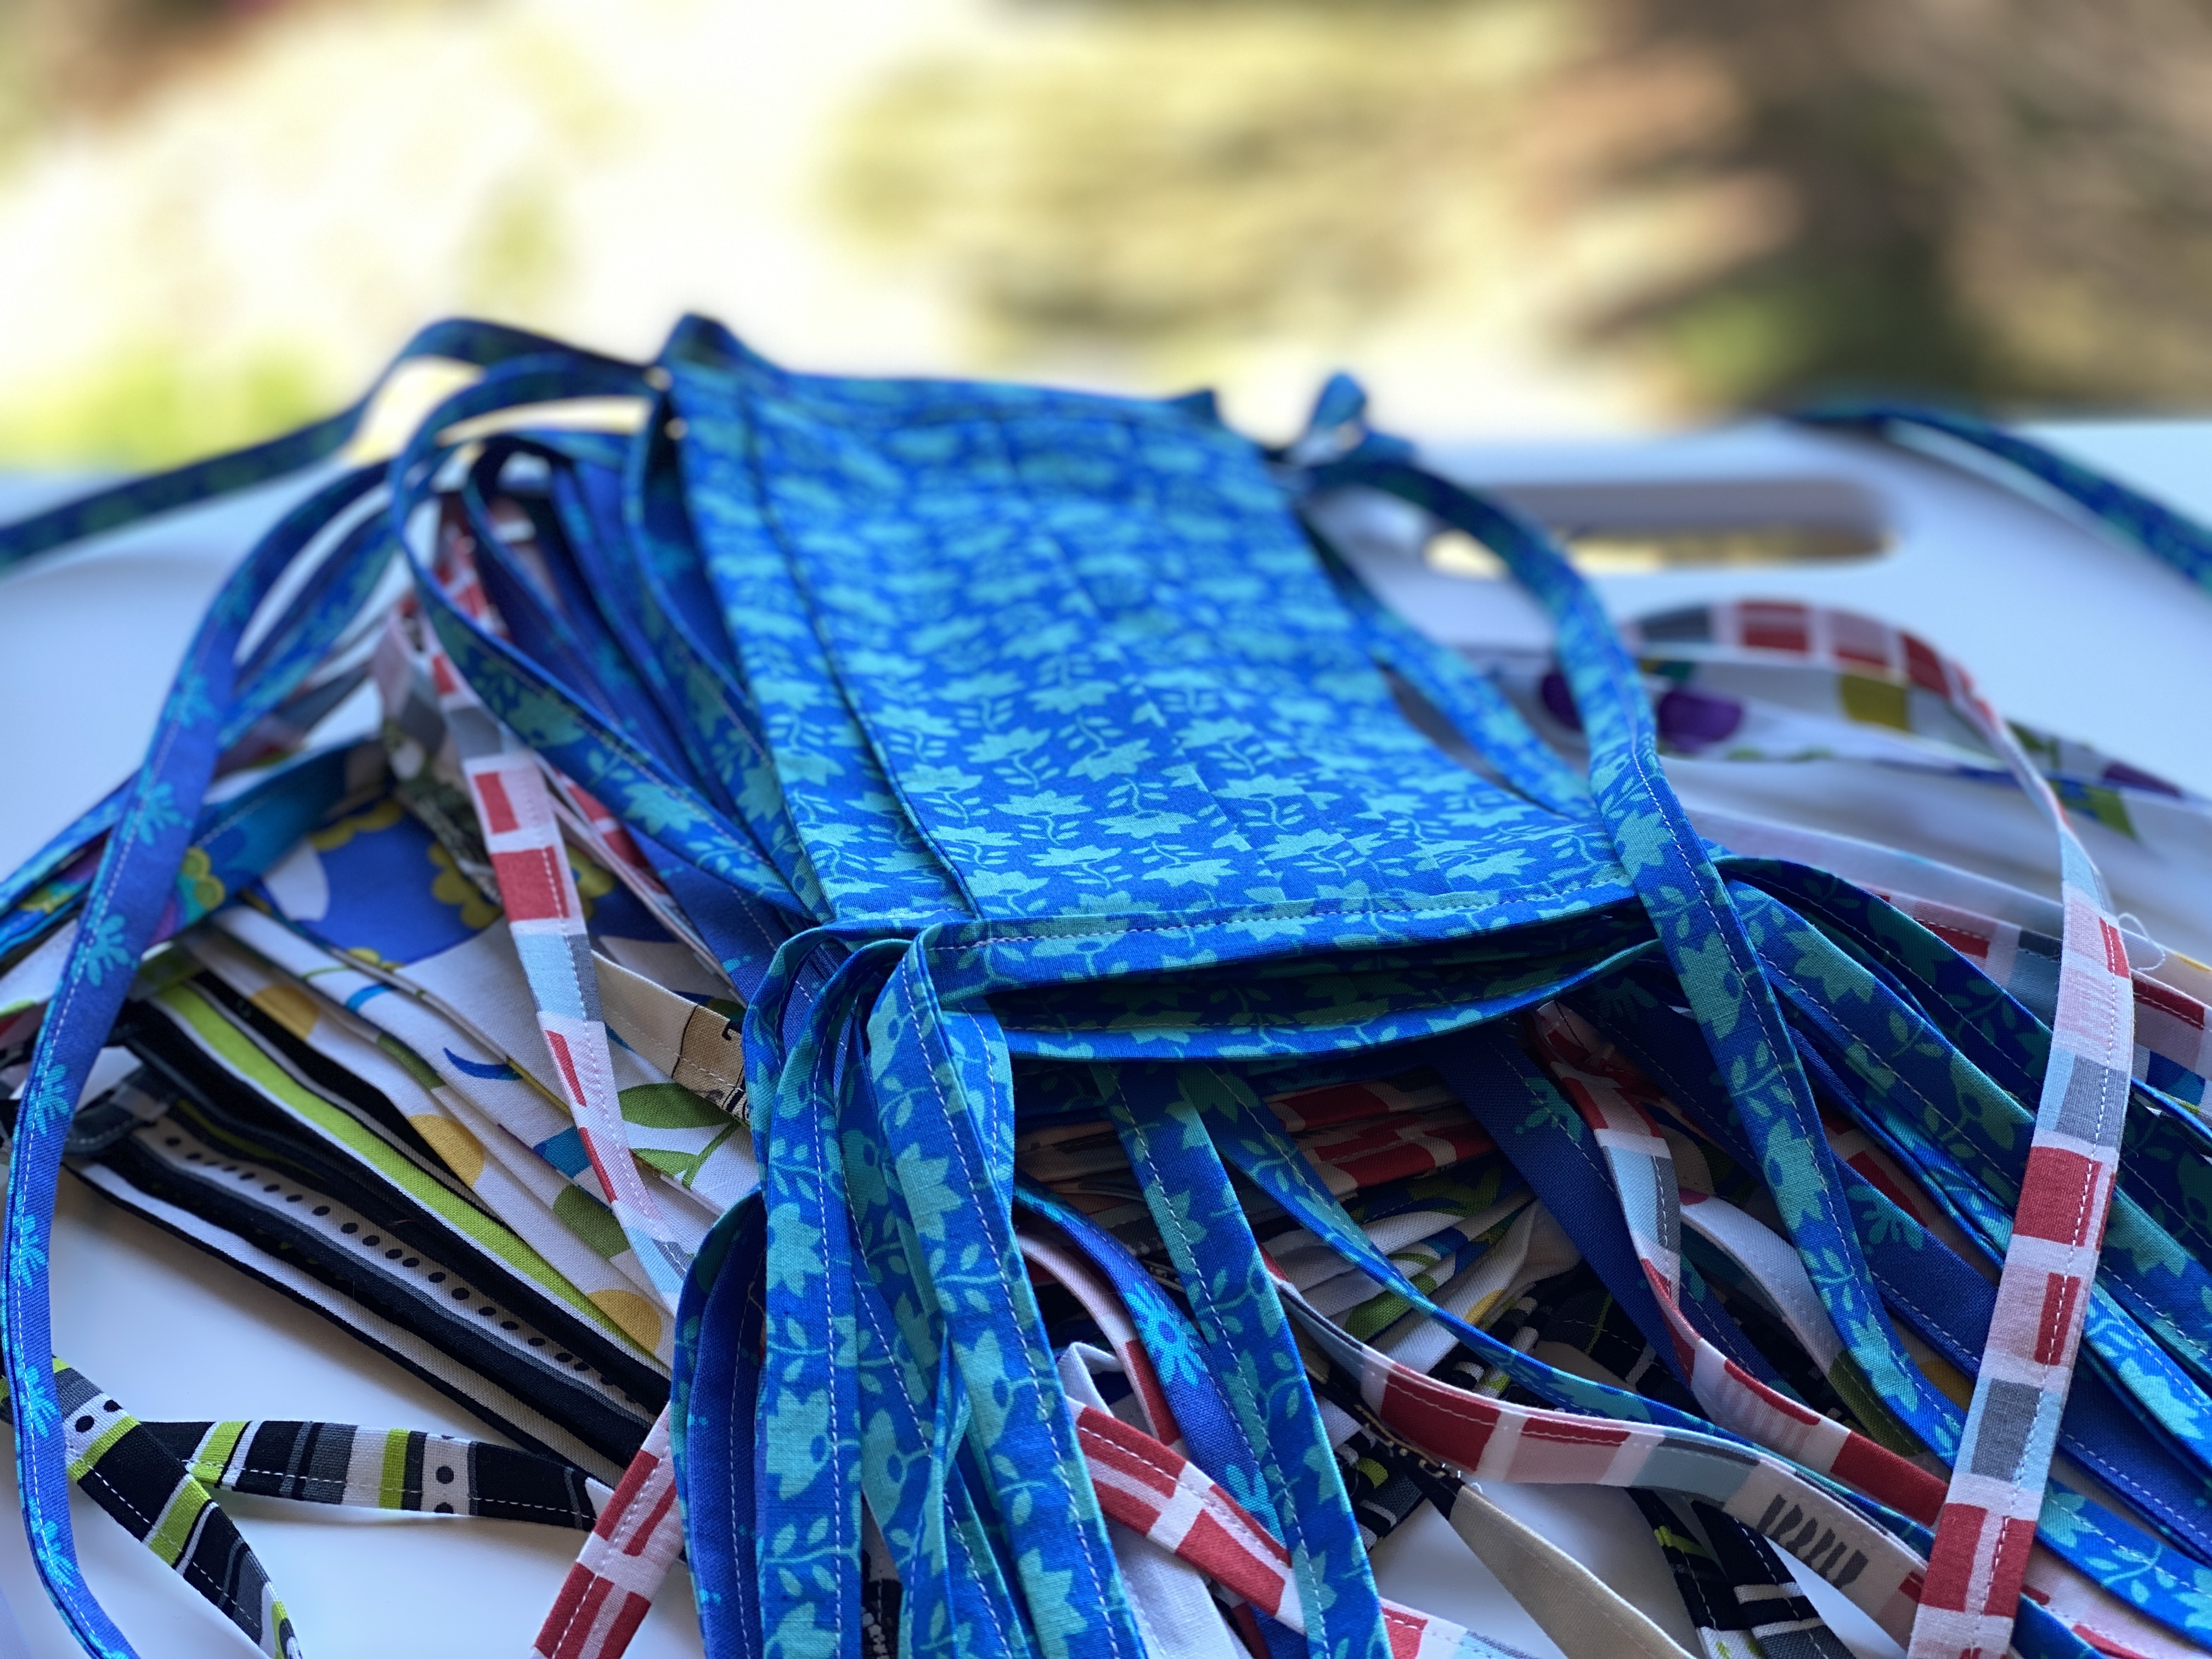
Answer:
x=1536 y=216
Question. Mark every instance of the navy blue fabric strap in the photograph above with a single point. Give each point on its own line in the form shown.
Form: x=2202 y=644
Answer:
x=689 y=648
x=562 y=629
x=1208 y=1423
x=1209 y=1426
x=633 y=783
x=718 y=1320
x=587 y=504
x=1533 y=1124
x=1535 y=1127
x=1690 y=906
x=1944 y=1299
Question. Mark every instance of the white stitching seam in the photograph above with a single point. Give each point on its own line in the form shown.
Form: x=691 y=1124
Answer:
x=999 y=1265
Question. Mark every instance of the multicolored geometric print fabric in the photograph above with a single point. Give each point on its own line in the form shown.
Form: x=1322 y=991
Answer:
x=898 y=1001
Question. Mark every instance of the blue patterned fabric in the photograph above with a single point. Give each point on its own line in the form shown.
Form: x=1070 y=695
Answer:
x=121 y=912
x=1025 y=759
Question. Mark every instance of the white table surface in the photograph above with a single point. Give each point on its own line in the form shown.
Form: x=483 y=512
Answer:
x=2023 y=594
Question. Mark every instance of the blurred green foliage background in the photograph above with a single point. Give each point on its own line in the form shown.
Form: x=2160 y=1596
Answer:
x=1520 y=214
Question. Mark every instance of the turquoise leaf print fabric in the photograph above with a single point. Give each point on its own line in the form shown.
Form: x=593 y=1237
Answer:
x=1135 y=1071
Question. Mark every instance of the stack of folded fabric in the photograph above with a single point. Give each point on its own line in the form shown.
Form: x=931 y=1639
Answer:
x=923 y=1000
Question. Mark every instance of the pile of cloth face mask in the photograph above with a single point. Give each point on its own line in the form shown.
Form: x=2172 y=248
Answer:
x=907 y=1006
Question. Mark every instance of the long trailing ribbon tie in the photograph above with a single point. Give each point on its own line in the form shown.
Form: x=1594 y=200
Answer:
x=993 y=780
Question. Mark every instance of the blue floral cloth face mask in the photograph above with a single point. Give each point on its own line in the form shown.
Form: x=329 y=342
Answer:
x=1043 y=789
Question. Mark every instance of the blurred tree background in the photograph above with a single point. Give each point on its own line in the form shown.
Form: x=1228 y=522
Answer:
x=1516 y=213
x=2005 y=200
x=60 y=58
